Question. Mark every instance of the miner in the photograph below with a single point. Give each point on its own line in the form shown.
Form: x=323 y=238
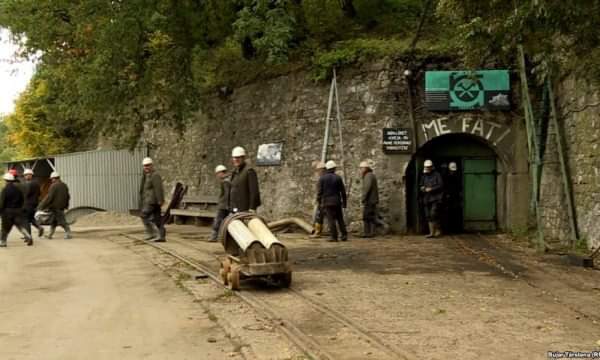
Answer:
x=244 y=194
x=152 y=198
x=319 y=214
x=332 y=198
x=11 y=207
x=369 y=199
x=452 y=199
x=56 y=202
x=223 y=204
x=31 y=190
x=431 y=188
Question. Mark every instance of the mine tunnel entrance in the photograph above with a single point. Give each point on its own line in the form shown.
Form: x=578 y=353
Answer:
x=472 y=192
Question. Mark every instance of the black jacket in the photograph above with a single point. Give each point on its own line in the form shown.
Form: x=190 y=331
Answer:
x=58 y=197
x=434 y=181
x=452 y=186
x=244 y=193
x=31 y=189
x=332 y=191
x=11 y=197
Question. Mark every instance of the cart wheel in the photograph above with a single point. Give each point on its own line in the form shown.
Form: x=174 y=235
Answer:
x=223 y=275
x=233 y=278
x=225 y=268
x=285 y=279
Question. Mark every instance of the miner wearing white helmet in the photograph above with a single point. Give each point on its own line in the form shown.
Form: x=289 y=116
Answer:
x=31 y=190
x=57 y=201
x=332 y=198
x=369 y=198
x=452 y=198
x=431 y=186
x=245 y=193
x=319 y=214
x=11 y=208
x=152 y=198
x=223 y=204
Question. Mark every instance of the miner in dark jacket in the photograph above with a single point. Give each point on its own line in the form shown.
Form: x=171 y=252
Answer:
x=452 y=199
x=369 y=199
x=152 y=198
x=223 y=204
x=332 y=198
x=244 y=194
x=57 y=201
x=11 y=207
x=31 y=190
x=431 y=187
x=319 y=215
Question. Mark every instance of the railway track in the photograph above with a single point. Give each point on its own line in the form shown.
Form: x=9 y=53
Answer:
x=484 y=256
x=316 y=329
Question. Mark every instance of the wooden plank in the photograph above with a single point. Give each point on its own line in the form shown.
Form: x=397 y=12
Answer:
x=202 y=199
x=193 y=213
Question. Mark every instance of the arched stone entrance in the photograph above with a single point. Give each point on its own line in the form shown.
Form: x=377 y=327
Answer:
x=483 y=178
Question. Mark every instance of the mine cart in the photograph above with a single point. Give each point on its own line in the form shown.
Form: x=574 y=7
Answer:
x=252 y=252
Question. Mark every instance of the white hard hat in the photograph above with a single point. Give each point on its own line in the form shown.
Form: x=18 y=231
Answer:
x=28 y=172
x=366 y=164
x=8 y=177
x=238 y=151
x=330 y=165
x=54 y=175
x=320 y=165
x=220 y=168
x=428 y=163
x=147 y=161
x=452 y=166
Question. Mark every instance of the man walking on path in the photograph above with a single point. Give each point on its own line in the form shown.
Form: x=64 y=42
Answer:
x=223 y=205
x=152 y=198
x=57 y=201
x=369 y=199
x=31 y=190
x=319 y=214
x=432 y=194
x=332 y=197
x=245 y=193
x=11 y=207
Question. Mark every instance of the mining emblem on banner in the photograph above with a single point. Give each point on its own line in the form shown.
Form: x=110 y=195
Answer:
x=467 y=90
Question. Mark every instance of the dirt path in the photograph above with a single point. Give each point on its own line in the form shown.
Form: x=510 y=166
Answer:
x=101 y=296
x=91 y=299
x=435 y=299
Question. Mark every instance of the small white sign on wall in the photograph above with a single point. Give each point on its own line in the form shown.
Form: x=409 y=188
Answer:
x=269 y=154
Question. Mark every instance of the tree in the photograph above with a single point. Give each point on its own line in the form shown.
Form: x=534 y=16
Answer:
x=557 y=35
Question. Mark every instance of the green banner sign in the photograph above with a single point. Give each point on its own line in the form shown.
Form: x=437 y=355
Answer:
x=467 y=90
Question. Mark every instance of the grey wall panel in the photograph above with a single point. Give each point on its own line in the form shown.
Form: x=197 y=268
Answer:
x=108 y=179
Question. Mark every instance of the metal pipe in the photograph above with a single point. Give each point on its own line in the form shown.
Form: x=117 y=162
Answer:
x=327 y=125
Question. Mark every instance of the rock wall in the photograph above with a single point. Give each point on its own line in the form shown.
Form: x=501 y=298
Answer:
x=292 y=109
x=581 y=126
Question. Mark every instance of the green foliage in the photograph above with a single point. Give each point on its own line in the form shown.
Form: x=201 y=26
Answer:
x=7 y=152
x=355 y=51
x=113 y=67
x=557 y=35
x=32 y=130
x=269 y=27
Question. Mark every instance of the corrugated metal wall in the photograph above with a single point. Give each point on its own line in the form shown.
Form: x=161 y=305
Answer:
x=108 y=179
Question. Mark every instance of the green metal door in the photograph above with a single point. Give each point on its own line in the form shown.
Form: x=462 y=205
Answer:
x=479 y=194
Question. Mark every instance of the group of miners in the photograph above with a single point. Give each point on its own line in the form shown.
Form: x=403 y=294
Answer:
x=332 y=200
x=239 y=192
x=440 y=198
x=20 y=202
